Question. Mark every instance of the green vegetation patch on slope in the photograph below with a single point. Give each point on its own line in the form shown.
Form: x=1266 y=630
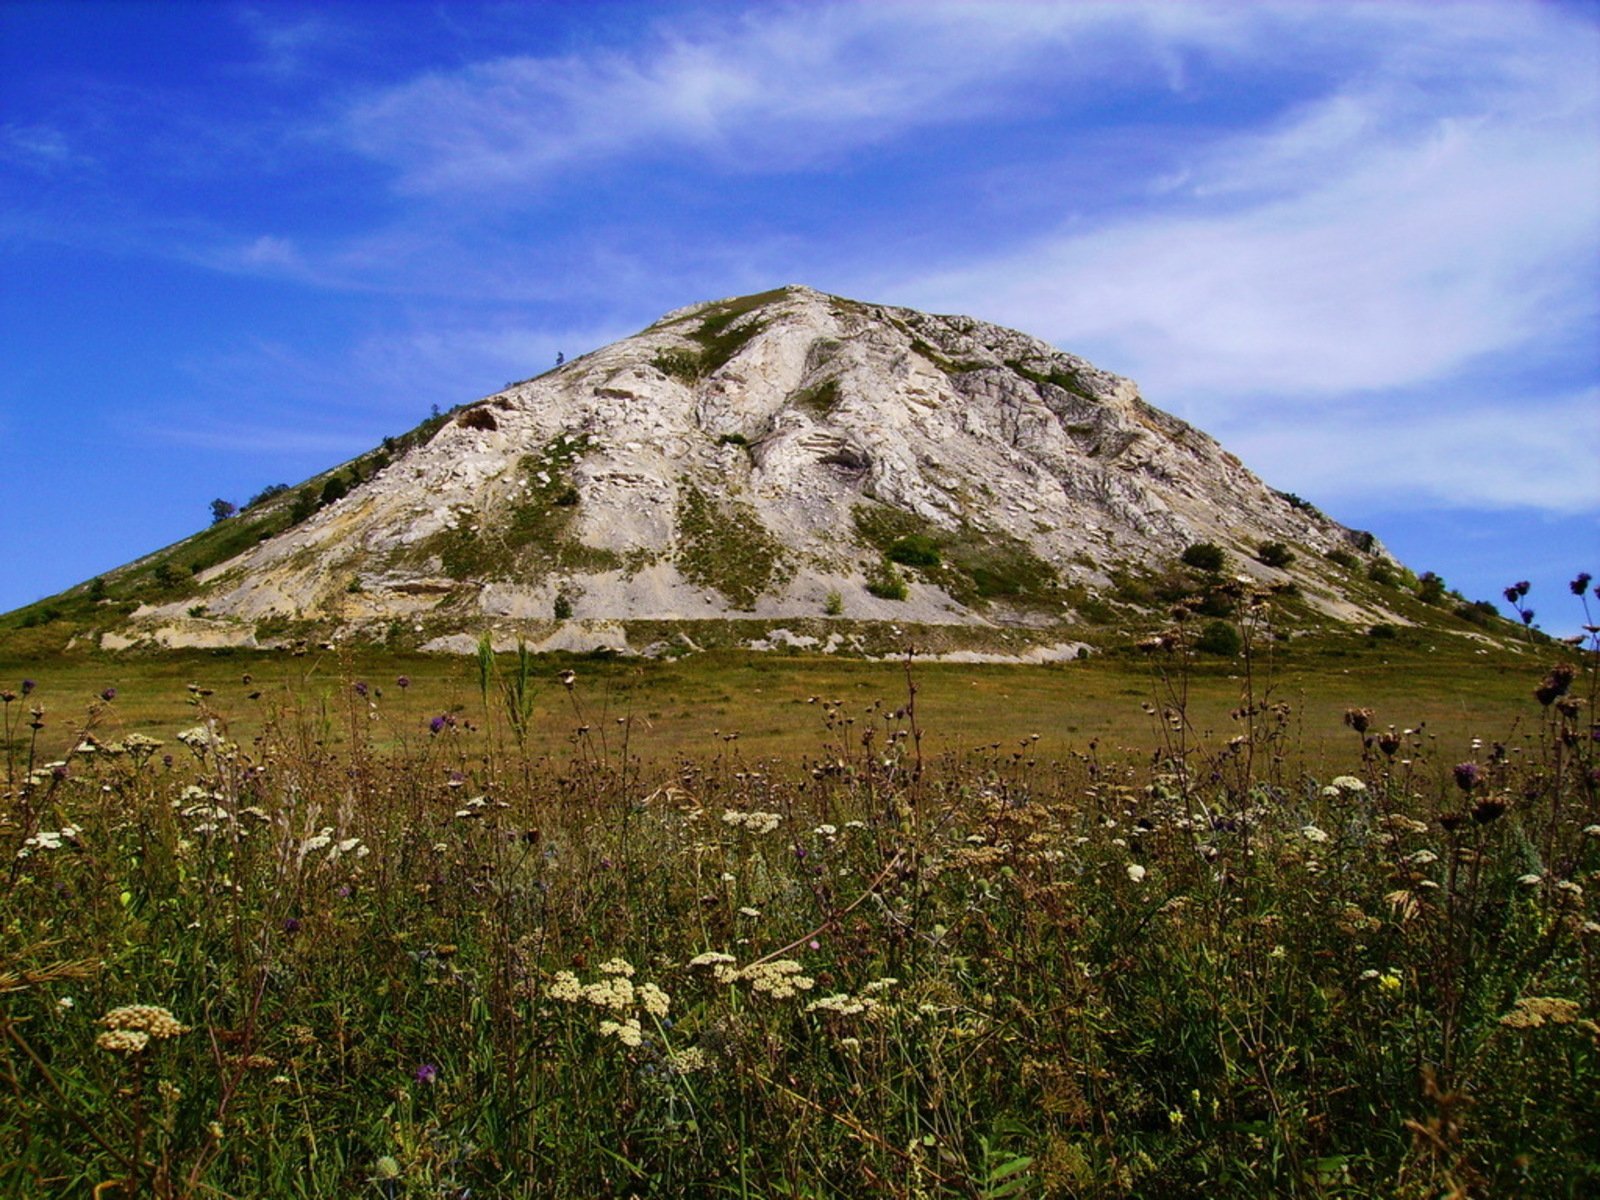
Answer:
x=819 y=400
x=1057 y=376
x=973 y=566
x=724 y=545
x=533 y=533
x=721 y=334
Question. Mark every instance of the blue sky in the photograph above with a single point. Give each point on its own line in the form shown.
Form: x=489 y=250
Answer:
x=1359 y=243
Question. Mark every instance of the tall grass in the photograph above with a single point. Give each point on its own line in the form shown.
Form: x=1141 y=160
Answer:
x=445 y=967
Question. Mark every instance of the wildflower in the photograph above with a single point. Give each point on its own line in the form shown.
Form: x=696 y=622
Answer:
x=403 y=682
x=1348 y=784
x=752 y=822
x=627 y=1032
x=199 y=738
x=568 y=678
x=687 y=1060
x=27 y=687
x=1581 y=583
x=653 y=1000
x=144 y=1018
x=1312 y=834
x=425 y=1073
x=617 y=966
x=360 y=688
x=1467 y=775
x=1422 y=858
x=711 y=958
x=109 y=695
x=1567 y=888
x=1533 y=1011
x=437 y=724
x=841 y=1003
x=565 y=987
x=65 y=1003
x=780 y=978
x=614 y=993
x=747 y=911
x=1530 y=880
x=1389 y=982
x=123 y=1041
x=1136 y=872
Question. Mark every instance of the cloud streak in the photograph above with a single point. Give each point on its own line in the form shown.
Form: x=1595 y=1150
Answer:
x=786 y=88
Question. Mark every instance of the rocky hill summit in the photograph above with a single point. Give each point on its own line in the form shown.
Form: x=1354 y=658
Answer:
x=789 y=460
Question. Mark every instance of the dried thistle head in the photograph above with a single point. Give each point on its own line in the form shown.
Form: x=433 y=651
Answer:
x=1489 y=809
x=1359 y=719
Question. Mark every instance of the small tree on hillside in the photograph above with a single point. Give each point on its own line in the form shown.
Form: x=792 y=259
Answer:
x=221 y=510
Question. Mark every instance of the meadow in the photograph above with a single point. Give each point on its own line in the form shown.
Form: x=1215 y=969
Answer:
x=1314 y=921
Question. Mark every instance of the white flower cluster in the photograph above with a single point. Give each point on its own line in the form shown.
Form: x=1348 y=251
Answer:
x=48 y=839
x=130 y=1028
x=614 y=993
x=751 y=822
x=781 y=978
x=627 y=1032
x=1344 y=785
x=324 y=840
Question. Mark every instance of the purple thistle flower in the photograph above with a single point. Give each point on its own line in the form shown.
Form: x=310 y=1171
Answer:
x=109 y=695
x=403 y=682
x=1527 y=616
x=437 y=724
x=291 y=924
x=425 y=1073
x=27 y=687
x=1581 y=584
x=1467 y=775
x=361 y=688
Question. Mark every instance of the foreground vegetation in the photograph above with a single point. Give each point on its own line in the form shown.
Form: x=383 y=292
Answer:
x=391 y=945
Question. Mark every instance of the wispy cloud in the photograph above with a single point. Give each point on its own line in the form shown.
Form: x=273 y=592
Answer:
x=286 y=46
x=1365 y=243
x=1493 y=453
x=40 y=148
x=780 y=88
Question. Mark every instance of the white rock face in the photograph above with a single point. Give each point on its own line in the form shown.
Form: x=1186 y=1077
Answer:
x=721 y=462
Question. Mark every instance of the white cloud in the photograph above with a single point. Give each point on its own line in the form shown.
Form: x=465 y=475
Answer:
x=774 y=89
x=1503 y=453
x=1358 y=247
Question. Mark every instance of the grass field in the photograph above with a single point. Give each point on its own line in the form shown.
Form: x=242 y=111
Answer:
x=1138 y=925
x=1448 y=685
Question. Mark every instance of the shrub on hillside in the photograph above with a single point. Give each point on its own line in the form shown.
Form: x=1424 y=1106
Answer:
x=1205 y=556
x=1274 y=554
x=1220 y=638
